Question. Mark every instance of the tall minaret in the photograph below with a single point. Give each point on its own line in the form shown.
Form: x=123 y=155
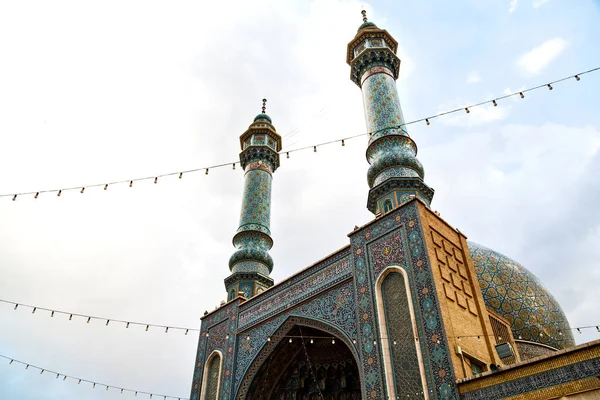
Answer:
x=251 y=263
x=395 y=174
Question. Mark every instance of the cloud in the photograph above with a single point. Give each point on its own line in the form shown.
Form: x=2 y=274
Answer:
x=514 y=98
x=539 y=57
x=513 y=6
x=135 y=100
x=477 y=115
x=553 y=228
x=539 y=3
x=473 y=77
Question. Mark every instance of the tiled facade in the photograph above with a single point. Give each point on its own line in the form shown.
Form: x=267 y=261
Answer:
x=417 y=309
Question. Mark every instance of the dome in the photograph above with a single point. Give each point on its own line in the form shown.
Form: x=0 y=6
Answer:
x=366 y=25
x=517 y=295
x=263 y=116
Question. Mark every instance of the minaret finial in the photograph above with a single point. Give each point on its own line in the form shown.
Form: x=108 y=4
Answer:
x=264 y=106
x=364 y=14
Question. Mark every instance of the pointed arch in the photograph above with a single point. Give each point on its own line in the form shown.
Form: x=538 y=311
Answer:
x=386 y=341
x=277 y=339
x=211 y=381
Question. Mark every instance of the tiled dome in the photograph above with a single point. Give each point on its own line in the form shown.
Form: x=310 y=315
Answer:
x=517 y=295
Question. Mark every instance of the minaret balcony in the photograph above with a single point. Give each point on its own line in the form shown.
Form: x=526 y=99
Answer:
x=370 y=58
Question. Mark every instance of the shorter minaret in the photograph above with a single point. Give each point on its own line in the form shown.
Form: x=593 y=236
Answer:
x=251 y=263
x=395 y=174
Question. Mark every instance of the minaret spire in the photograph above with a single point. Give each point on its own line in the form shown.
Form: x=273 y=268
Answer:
x=395 y=174
x=251 y=263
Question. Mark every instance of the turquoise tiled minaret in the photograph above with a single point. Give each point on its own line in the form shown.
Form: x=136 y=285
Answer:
x=395 y=174
x=251 y=263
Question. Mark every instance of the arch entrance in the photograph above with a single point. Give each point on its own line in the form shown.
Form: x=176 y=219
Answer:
x=314 y=365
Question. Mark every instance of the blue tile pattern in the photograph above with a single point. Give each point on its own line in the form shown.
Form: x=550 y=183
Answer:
x=517 y=295
x=297 y=292
x=382 y=106
x=397 y=239
x=407 y=375
x=335 y=307
x=391 y=153
x=255 y=214
x=217 y=332
x=251 y=260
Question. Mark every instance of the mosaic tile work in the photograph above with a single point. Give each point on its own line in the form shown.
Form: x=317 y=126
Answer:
x=260 y=159
x=256 y=202
x=335 y=307
x=217 y=332
x=407 y=376
x=548 y=378
x=294 y=294
x=251 y=266
x=397 y=239
x=395 y=172
x=212 y=381
x=517 y=295
x=252 y=247
x=382 y=106
x=391 y=153
x=369 y=59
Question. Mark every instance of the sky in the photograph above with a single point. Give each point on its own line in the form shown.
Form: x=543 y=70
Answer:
x=93 y=92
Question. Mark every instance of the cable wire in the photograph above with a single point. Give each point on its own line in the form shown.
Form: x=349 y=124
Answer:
x=93 y=383
x=206 y=169
x=168 y=328
x=107 y=321
x=312 y=371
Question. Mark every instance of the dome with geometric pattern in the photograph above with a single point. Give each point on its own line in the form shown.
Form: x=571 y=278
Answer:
x=517 y=295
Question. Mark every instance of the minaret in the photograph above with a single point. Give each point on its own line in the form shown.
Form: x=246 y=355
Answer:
x=395 y=174
x=251 y=263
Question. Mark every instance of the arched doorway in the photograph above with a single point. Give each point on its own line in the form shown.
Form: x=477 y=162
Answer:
x=307 y=363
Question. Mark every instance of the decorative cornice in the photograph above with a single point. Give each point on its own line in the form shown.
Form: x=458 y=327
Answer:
x=380 y=56
x=251 y=276
x=259 y=153
x=369 y=33
x=376 y=70
x=395 y=183
x=261 y=127
x=258 y=165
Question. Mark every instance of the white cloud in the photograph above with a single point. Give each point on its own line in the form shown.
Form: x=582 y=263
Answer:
x=539 y=57
x=476 y=116
x=473 y=77
x=513 y=6
x=539 y=3
x=508 y=91
x=135 y=100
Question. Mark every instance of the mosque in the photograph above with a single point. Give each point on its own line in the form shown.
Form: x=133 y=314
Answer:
x=408 y=309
